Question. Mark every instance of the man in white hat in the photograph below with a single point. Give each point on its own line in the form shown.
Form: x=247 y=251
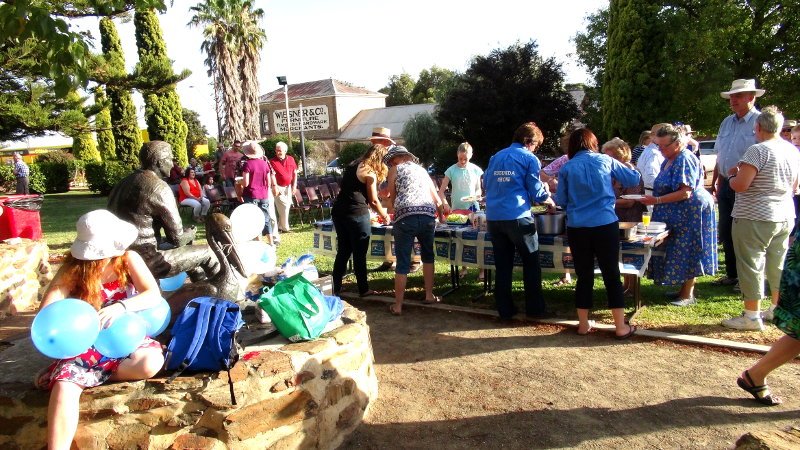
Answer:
x=736 y=134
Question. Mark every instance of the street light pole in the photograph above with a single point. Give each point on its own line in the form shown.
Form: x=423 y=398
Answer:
x=282 y=81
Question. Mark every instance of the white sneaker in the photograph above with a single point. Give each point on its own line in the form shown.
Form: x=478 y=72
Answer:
x=767 y=315
x=684 y=302
x=743 y=323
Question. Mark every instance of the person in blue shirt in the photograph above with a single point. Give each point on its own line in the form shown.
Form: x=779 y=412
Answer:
x=512 y=184
x=585 y=191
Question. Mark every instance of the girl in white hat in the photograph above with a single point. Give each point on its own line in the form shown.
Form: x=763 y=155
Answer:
x=101 y=271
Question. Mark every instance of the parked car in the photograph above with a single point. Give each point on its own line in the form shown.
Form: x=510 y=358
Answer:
x=333 y=167
x=708 y=157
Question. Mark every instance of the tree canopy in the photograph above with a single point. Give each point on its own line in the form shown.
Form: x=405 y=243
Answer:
x=501 y=91
x=658 y=61
x=430 y=87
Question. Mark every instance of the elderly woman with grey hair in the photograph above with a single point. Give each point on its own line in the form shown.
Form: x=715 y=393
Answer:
x=764 y=181
x=681 y=202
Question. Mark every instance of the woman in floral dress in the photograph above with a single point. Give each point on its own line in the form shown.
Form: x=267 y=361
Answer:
x=688 y=210
x=114 y=281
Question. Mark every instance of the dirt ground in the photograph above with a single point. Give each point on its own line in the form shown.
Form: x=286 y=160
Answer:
x=456 y=380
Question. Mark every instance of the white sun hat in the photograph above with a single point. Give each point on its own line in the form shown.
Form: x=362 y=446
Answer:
x=102 y=235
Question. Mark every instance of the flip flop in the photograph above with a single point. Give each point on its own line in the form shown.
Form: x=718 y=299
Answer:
x=590 y=330
x=395 y=312
x=630 y=333
x=761 y=393
x=561 y=282
x=432 y=301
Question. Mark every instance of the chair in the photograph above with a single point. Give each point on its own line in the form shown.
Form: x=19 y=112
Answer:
x=334 y=187
x=300 y=205
x=314 y=201
x=231 y=197
x=325 y=196
x=301 y=184
x=218 y=202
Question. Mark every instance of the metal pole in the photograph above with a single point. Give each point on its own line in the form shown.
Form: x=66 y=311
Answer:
x=303 y=142
x=288 y=122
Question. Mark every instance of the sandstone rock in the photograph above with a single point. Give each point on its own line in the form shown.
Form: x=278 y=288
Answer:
x=345 y=334
x=349 y=416
x=269 y=414
x=193 y=441
x=336 y=392
x=775 y=440
x=302 y=377
x=310 y=347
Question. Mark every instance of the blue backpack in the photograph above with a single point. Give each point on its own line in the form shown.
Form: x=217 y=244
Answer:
x=204 y=338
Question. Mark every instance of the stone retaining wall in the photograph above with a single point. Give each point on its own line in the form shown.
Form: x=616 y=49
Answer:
x=24 y=274
x=297 y=395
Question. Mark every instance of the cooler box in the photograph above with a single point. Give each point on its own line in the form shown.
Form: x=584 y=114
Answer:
x=20 y=216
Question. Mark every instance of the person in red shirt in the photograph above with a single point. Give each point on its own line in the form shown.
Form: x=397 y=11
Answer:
x=284 y=169
x=230 y=162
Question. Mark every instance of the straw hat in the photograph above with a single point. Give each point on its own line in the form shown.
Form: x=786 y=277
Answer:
x=789 y=123
x=397 y=150
x=252 y=149
x=742 y=85
x=381 y=133
x=102 y=235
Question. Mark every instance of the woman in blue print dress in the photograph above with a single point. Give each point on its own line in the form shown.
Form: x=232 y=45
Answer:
x=681 y=202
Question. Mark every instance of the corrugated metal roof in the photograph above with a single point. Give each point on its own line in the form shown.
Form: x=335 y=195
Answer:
x=393 y=118
x=319 y=88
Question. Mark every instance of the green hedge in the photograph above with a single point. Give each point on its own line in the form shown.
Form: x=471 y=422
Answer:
x=103 y=176
x=350 y=152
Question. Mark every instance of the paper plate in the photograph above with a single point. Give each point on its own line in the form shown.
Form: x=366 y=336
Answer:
x=632 y=196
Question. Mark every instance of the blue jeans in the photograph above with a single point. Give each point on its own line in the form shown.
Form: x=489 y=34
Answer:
x=262 y=203
x=404 y=231
x=352 y=233
x=519 y=235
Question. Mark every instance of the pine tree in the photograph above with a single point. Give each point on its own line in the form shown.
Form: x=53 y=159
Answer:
x=127 y=138
x=634 y=64
x=102 y=123
x=83 y=144
x=163 y=111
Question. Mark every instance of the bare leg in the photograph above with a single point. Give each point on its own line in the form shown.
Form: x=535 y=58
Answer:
x=619 y=322
x=583 y=321
x=783 y=350
x=62 y=414
x=141 y=365
x=399 y=292
x=427 y=277
x=687 y=289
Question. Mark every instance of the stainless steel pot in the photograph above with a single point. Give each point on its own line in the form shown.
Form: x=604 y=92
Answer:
x=550 y=223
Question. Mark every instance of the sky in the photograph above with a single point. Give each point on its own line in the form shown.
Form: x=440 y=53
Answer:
x=365 y=42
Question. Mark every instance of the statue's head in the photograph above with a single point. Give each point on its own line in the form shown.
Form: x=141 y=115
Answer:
x=156 y=156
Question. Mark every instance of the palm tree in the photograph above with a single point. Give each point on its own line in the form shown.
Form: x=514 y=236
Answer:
x=250 y=37
x=219 y=20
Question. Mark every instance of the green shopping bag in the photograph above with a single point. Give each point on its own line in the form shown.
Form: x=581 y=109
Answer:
x=296 y=307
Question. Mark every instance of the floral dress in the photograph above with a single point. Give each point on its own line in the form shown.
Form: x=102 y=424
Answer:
x=691 y=248
x=91 y=368
x=787 y=314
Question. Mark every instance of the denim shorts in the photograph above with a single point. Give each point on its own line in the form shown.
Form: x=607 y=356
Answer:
x=404 y=231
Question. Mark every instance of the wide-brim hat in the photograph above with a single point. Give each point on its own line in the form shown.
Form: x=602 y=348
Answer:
x=102 y=235
x=743 y=85
x=397 y=150
x=381 y=133
x=253 y=149
x=789 y=123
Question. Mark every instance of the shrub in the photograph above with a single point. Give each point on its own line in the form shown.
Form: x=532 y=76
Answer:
x=36 y=181
x=7 y=181
x=103 y=176
x=351 y=151
x=56 y=176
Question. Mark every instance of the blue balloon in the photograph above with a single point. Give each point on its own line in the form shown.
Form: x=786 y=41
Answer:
x=124 y=336
x=172 y=283
x=156 y=318
x=65 y=329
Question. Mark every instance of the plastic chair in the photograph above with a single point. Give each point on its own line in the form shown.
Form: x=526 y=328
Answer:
x=300 y=205
x=314 y=201
x=334 y=187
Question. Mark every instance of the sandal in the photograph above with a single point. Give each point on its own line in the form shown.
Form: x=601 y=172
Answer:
x=590 y=330
x=760 y=393
x=395 y=311
x=562 y=282
x=630 y=333
x=367 y=294
x=432 y=301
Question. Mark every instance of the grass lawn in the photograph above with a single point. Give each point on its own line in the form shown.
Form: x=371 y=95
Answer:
x=60 y=212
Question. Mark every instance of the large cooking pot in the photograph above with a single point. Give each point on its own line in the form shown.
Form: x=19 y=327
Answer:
x=550 y=223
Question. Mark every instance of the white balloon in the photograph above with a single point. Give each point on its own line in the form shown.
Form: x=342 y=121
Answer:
x=255 y=256
x=247 y=221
